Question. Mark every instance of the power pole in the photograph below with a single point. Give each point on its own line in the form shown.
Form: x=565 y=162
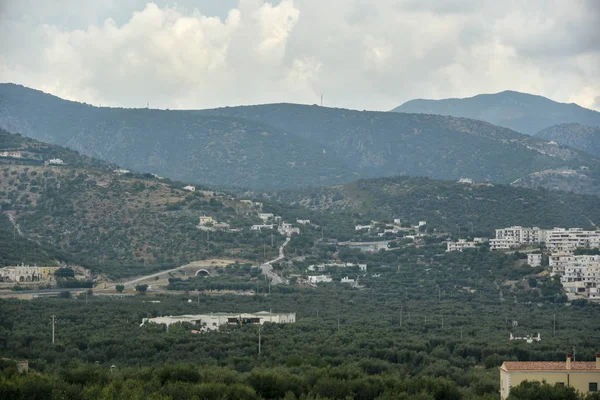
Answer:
x=53 y=323
x=259 y=340
x=198 y=300
x=439 y=293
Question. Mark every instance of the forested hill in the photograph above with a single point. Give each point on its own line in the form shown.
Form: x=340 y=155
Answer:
x=584 y=138
x=522 y=112
x=447 y=205
x=285 y=145
x=179 y=145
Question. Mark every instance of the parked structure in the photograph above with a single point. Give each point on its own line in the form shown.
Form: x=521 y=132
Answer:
x=213 y=321
x=581 y=375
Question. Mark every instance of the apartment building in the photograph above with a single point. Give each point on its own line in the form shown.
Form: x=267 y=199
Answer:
x=560 y=240
x=516 y=236
x=460 y=245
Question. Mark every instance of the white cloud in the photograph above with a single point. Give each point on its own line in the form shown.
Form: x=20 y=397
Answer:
x=360 y=54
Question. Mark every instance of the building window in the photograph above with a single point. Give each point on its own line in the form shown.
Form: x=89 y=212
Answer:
x=560 y=384
x=593 y=387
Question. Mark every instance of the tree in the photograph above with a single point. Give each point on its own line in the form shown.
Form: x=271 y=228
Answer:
x=542 y=391
x=141 y=288
x=64 y=273
x=120 y=288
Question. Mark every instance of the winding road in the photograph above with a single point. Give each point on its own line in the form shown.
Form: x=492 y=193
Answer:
x=267 y=267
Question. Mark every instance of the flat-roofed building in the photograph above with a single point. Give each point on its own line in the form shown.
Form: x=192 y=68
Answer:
x=211 y=322
x=583 y=376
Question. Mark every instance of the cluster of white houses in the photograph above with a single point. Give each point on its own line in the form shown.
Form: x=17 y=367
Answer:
x=213 y=321
x=386 y=227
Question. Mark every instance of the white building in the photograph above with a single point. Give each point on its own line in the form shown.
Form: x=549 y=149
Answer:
x=261 y=227
x=362 y=267
x=212 y=322
x=11 y=154
x=517 y=236
x=534 y=260
x=206 y=220
x=265 y=216
x=560 y=240
x=460 y=245
x=466 y=181
x=190 y=188
x=287 y=229
x=303 y=221
x=361 y=227
x=578 y=274
x=56 y=161
x=319 y=278
x=121 y=171
x=347 y=280
x=26 y=273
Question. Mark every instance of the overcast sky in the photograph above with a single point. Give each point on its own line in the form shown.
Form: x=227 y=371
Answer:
x=361 y=54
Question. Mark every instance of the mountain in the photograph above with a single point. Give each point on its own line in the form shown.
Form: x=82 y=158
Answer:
x=584 y=138
x=180 y=145
x=521 y=112
x=285 y=145
x=447 y=205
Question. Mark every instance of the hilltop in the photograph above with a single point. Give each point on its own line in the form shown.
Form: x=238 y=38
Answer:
x=584 y=138
x=285 y=145
x=522 y=112
x=447 y=205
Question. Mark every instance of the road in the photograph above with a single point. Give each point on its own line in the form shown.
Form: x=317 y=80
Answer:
x=144 y=278
x=267 y=267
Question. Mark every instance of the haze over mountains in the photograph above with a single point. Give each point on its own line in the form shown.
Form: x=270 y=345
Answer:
x=285 y=145
x=522 y=112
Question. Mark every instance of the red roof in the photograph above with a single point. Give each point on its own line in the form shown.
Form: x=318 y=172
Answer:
x=549 y=366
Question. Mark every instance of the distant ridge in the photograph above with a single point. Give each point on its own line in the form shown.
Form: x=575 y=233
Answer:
x=523 y=112
x=584 y=138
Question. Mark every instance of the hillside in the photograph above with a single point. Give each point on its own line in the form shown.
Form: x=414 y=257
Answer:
x=180 y=145
x=446 y=205
x=284 y=145
x=584 y=138
x=387 y=144
x=522 y=112
x=120 y=224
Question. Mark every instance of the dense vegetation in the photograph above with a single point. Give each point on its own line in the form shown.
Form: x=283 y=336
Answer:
x=447 y=206
x=522 y=112
x=284 y=145
x=429 y=328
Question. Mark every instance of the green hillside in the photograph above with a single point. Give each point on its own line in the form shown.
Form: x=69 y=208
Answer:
x=284 y=145
x=522 y=112
x=584 y=138
x=446 y=205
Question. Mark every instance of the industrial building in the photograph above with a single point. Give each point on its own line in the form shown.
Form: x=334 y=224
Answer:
x=212 y=322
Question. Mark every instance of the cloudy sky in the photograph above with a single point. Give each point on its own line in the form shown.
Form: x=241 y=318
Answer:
x=361 y=54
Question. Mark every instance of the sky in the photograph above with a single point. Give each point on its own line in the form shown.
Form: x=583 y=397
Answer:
x=359 y=54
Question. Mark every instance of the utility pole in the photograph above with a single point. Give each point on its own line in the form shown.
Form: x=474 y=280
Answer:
x=53 y=323
x=461 y=332
x=439 y=293
x=338 y=323
x=554 y=327
x=259 y=340
x=401 y=312
x=270 y=280
x=271 y=239
x=198 y=300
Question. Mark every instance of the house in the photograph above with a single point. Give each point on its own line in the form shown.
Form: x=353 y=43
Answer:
x=189 y=188
x=460 y=245
x=121 y=171
x=347 y=280
x=265 y=216
x=11 y=154
x=582 y=376
x=261 y=227
x=534 y=259
x=206 y=220
x=25 y=273
x=466 y=181
x=287 y=229
x=362 y=267
x=319 y=278
x=303 y=221
x=55 y=161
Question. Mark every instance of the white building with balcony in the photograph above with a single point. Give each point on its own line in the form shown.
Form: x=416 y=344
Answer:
x=460 y=245
x=534 y=259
